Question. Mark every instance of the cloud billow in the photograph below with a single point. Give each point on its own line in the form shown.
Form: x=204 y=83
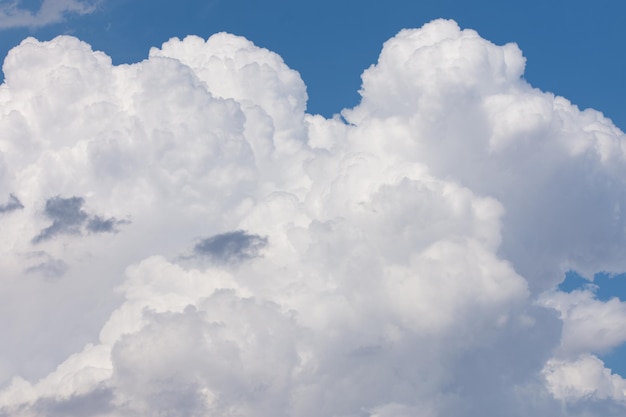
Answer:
x=403 y=263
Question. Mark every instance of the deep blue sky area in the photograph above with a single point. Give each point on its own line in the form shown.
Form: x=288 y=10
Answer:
x=605 y=286
x=574 y=48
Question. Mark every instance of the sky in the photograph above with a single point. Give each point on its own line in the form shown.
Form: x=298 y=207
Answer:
x=312 y=209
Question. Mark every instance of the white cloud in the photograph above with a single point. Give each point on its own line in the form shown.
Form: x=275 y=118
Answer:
x=589 y=325
x=12 y=15
x=268 y=262
x=584 y=378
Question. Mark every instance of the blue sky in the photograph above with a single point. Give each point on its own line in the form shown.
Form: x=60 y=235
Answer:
x=573 y=48
x=183 y=230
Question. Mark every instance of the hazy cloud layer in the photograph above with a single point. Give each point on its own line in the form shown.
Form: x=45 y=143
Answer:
x=13 y=13
x=402 y=263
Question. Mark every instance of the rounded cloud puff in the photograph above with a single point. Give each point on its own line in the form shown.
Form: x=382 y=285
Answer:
x=180 y=238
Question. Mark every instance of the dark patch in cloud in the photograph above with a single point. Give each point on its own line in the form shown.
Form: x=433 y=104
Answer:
x=181 y=400
x=68 y=218
x=97 y=224
x=96 y=403
x=230 y=247
x=13 y=204
x=51 y=268
x=370 y=350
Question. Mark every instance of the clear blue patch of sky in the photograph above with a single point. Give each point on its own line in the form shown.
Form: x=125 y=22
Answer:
x=616 y=360
x=573 y=46
x=605 y=287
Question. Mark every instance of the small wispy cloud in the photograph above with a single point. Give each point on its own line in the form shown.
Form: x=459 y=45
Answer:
x=14 y=15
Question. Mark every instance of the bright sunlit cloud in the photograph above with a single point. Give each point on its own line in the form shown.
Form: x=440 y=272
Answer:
x=180 y=238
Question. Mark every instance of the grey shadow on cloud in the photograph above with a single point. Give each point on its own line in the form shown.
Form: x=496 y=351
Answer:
x=230 y=247
x=13 y=204
x=68 y=218
x=97 y=224
x=95 y=403
x=48 y=267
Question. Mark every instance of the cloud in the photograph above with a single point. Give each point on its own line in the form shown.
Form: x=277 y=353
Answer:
x=402 y=263
x=583 y=331
x=12 y=15
x=584 y=378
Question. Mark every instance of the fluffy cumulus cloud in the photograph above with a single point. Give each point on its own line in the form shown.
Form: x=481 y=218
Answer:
x=180 y=238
